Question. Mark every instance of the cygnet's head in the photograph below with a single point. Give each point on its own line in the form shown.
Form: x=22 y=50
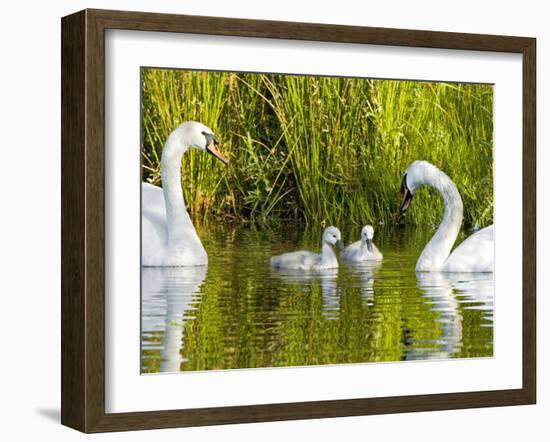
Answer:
x=332 y=236
x=367 y=234
x=199 y=136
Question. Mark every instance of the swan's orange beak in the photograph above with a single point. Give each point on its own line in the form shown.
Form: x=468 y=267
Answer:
x=213 y=150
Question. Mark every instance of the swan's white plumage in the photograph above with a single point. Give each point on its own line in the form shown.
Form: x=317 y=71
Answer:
x=359 y=250
x=301 y=260
x=153 y=224
x=304 y=260
x=475 y=254
x=156 y=251
x=168 y=237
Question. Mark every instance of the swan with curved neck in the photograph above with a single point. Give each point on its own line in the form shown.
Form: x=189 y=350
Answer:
x=474 y=254
x=168 y=237
x=304 y=260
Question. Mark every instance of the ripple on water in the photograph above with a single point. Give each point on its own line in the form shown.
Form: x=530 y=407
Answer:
x=238 y=313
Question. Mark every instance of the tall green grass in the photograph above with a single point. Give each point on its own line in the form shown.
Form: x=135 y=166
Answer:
x=320 y=149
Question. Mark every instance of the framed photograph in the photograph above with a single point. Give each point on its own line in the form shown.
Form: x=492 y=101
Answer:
x=267 y=221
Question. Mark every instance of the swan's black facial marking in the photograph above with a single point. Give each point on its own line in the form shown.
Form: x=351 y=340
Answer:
x=211 y=138
x=406 y=196
x=403 y=183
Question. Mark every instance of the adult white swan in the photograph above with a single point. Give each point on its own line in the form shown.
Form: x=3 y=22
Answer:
x=168 y=237
x=304 y=260
x=364 y=249
x=475 y=254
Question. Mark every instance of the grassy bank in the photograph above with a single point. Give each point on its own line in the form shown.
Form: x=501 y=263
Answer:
x=320 y=149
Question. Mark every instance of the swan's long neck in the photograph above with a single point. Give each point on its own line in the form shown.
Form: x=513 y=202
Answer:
x=177 y=218
x=328 y=257
x=438 y=249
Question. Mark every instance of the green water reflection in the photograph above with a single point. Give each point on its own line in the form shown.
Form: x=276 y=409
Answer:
x=237 y=313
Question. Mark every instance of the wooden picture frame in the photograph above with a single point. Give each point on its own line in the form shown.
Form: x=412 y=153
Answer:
x=83 y=220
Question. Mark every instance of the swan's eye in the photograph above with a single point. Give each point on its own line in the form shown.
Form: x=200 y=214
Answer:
x=211 y=138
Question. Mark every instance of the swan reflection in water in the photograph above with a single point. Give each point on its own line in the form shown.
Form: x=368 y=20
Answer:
x=359 y=276
x=326 y=279
x=169 y=296
x=435 y=306
x=445 y=292
x=366 y=273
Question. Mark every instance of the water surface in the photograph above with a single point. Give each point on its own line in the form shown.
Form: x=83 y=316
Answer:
x=238 y=313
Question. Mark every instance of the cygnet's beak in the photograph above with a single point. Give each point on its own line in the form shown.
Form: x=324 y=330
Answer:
x=340 y=245
x=212 y=148
x=369 y=244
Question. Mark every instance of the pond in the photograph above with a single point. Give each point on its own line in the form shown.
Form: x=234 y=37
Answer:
x=238 y=313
